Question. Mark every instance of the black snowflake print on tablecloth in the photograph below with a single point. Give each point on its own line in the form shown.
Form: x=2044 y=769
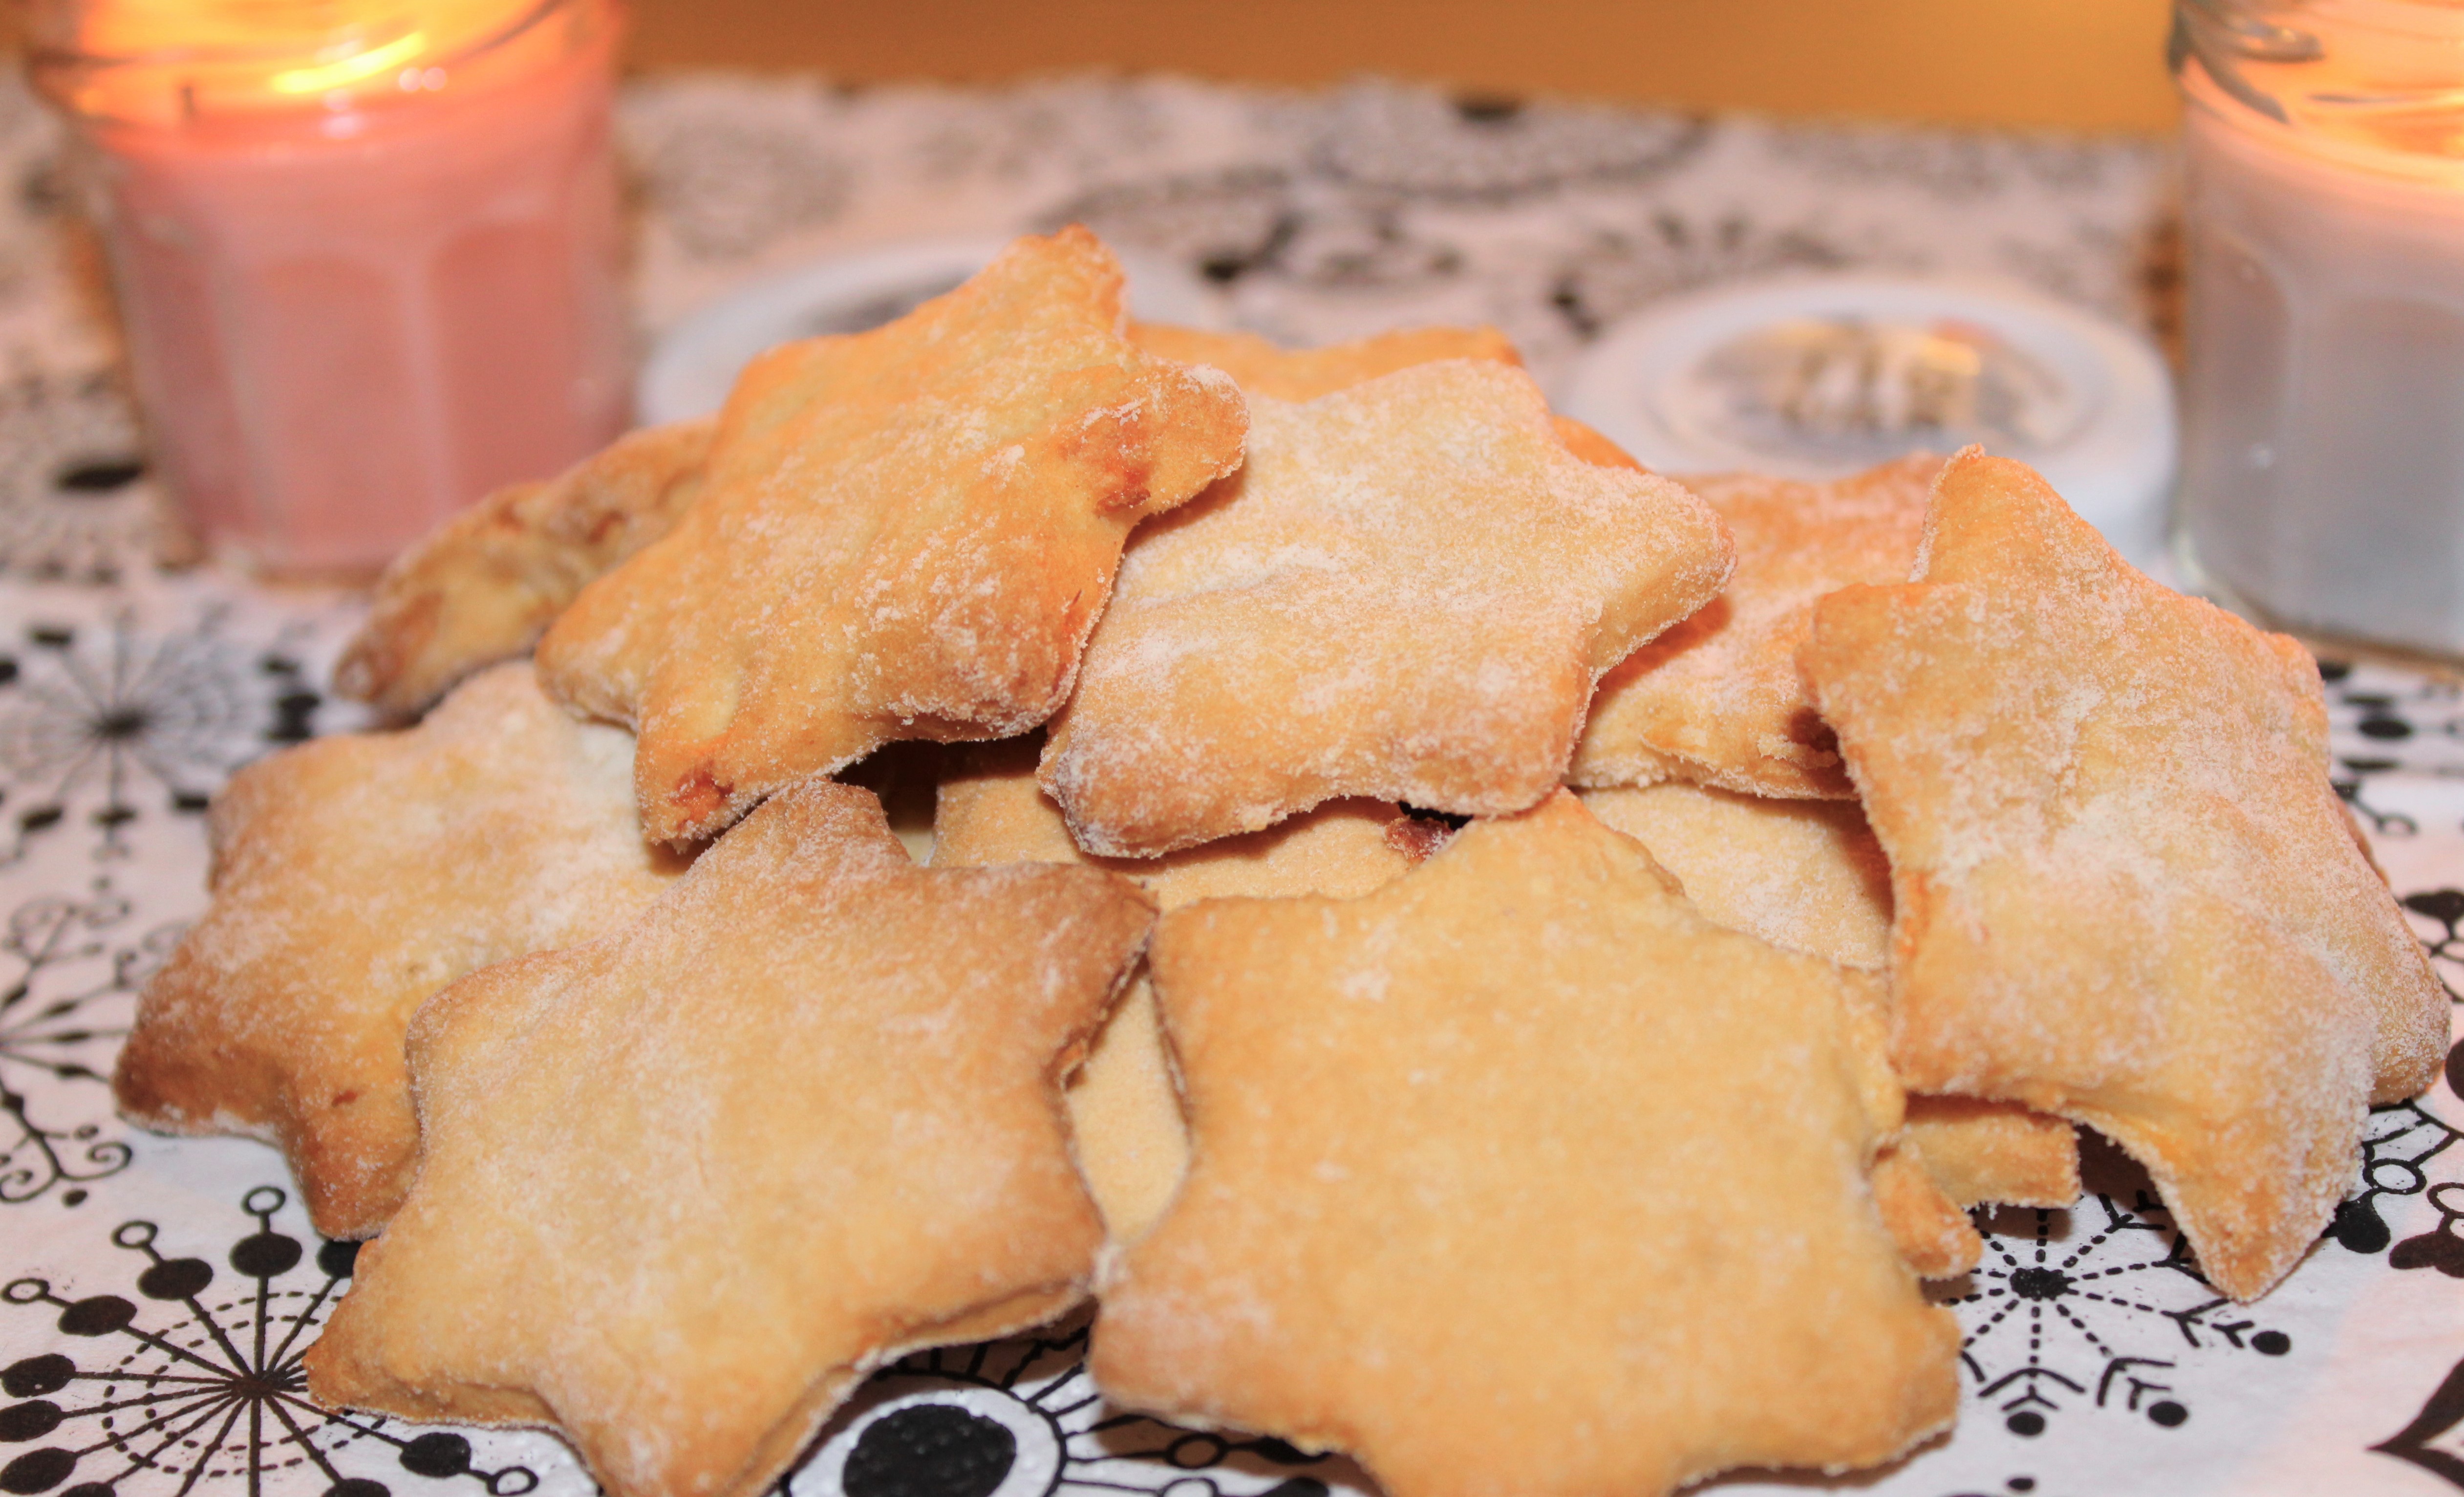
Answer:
x=1019 y=1418
x=104 y=724
x=2398 y=1145
x=1949 y=166
x=1081 y=127
x=2094 y=1308
x=185 y=1376
x=2438 y=918
x=1615 y=272
x=2439 y=1418
x=1419 y=143
x=78 y=965
x=1248 y=221
x=2012 y=1487
x=2380 y=724
x=1224 y=224
x=76 y=504
x=2440 y=914
x=725 y=186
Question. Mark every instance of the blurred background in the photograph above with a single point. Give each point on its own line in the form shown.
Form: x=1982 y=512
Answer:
x=2074 y=64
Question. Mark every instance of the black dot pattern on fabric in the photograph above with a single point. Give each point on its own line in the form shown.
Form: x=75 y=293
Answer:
x=176 y=1279
x=930 y=1450
x=32 y=1377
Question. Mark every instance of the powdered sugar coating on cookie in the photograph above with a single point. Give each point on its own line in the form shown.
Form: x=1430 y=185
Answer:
x=2124 y=890
x=354 y=877
x=903 y=534
x=1804 y=875
x=1717 y=699
x=484 y=586
x=1407 y=593
x=1504 y=1181
x=798 y=1117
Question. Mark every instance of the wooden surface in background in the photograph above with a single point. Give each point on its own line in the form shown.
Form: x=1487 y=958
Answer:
x=2079 y=64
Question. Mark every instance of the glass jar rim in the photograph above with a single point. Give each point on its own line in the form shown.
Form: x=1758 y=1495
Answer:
x=2440 y=19
x=387 y=49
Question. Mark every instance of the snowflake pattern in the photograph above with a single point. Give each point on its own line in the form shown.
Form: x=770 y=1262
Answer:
x=181 y=1387
x=1418 y=142
x=1621 y=271
x=1019 y=1418
x=60 y=1020
x=724 y=186
x=76 y=504
x=1273 y=224
x=2068 y=1310
x=2397 y=1153
x=113 y=720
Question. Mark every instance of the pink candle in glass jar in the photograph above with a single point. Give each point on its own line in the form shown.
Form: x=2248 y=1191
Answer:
x=366 y=253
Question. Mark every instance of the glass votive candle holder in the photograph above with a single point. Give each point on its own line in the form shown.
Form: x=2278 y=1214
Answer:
x=2323 y=484
x=366 y=253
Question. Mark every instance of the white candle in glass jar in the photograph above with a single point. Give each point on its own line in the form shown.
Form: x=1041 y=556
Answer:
x=2322 y=483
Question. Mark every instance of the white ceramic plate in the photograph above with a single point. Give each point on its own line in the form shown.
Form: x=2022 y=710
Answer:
x=1818 y=377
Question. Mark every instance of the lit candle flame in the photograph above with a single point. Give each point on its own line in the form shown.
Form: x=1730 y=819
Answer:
x=328 y=76
x=170 y=61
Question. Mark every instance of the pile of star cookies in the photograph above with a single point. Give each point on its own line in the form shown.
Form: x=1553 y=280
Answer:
x=1475 y=954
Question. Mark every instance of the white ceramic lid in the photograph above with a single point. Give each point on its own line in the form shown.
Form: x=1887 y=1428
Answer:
x=1818 y=377
x=694 y=365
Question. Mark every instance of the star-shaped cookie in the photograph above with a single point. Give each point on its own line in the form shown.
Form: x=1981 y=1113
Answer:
x=2125 y=892
x=1717 y=699
x=680 y=1188
x=485 y=585
x=355 y=876
x=902 y=534
x=1406 y=593
x=1505 y=1178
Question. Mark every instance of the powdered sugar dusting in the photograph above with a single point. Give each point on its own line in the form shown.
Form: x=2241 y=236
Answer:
x=1717 y=700
x=1407 y=593
x=356 y=876
x=1804 y=875
x=807 y=1096
x=904 y=533
x=2125 y=892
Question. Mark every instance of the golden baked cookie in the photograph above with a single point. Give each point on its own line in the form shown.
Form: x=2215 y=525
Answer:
x=1808 y=877
x=1804 y=875
x=1502 y=1180
x=1124 y=1111
x=353 y=878
x=1932 y=1231
x=1996 y=1152
x=1406 y=594
x=484 y=586
x=902 y=534
x=681 y=1187
x=1592 y=446
x=1717 y=700
x=2123 y=890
